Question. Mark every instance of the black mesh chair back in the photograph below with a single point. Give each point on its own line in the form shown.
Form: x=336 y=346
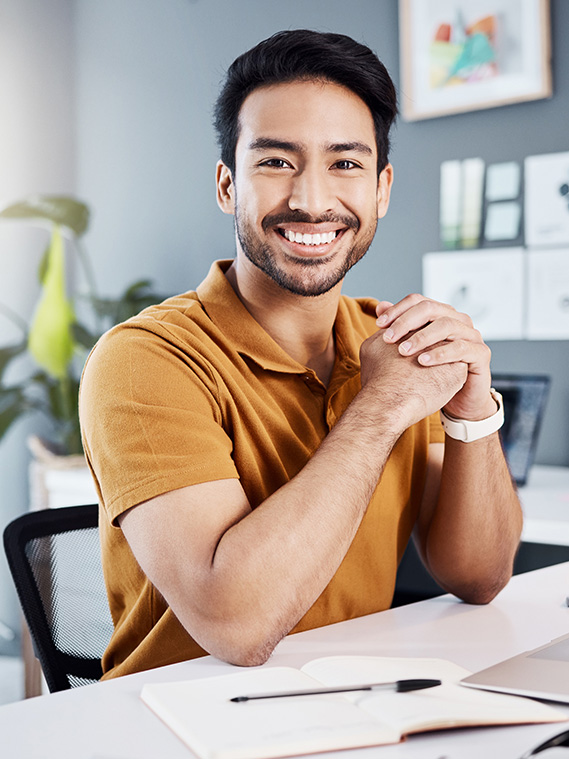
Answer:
x=54 y=557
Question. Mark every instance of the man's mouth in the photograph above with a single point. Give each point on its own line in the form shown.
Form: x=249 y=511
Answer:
x=322 y=238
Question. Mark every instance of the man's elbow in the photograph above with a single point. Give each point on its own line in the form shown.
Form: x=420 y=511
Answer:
x=479 y=595
x=248 y=656
x=482 y=590
x=244 y=643
x=241 y=651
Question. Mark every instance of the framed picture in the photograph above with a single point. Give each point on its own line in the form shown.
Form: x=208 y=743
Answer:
x=464 y=55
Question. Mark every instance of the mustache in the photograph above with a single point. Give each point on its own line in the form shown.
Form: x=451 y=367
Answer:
x=291 y=217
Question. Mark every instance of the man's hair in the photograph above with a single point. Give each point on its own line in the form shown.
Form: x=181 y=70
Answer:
x=307 y=55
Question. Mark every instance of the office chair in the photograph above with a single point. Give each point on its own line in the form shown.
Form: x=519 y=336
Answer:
x=54 y=558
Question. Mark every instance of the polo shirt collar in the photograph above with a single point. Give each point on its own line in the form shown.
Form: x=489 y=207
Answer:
x=228 y=313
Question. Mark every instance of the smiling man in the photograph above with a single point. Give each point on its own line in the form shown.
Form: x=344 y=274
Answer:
x=263 y=446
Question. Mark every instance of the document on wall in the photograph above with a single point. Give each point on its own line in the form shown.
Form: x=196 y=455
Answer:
x=203 y=716
x=487 y=284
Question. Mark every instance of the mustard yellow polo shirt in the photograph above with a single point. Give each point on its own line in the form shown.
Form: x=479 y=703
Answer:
x=193 y=390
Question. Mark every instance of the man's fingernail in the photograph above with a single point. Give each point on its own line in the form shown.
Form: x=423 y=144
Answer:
x=389 y=334
x=382 y=320
x=425 y=358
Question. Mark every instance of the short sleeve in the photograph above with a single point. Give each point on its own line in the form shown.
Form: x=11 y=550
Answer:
x=150 y=418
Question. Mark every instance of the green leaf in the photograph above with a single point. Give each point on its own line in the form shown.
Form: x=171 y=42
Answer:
x=43 y=264
x=50 y=340
x=82 y=336
x=58 y=209
x=135 y=290
x=64 y=402
x=136 y=297
x=8 y=353
x=105 y=308
x=13 y=405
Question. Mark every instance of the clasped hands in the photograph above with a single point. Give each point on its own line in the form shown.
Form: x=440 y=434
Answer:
x=432 y=334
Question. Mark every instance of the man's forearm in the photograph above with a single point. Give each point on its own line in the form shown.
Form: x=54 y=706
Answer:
x=300 y=534
x=475 y=529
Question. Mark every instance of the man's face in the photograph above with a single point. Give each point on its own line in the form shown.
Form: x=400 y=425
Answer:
x=305 y=194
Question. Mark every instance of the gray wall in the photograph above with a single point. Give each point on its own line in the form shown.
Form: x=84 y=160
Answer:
x=148 y=73
x=37 y=150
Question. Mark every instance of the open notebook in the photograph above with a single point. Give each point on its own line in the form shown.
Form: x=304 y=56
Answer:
x=201 y=714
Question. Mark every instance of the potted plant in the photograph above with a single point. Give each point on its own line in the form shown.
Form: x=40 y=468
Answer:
x=64 y=326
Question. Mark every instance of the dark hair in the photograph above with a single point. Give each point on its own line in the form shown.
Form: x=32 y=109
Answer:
x=304 y=54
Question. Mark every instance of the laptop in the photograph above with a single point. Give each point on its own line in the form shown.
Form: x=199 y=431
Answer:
x=541 y=673
x=525 y=397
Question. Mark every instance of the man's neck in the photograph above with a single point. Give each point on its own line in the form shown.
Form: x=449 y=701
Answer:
x=302 y=326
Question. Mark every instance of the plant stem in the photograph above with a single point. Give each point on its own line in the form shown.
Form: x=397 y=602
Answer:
x=89 y=276
x=71 y=434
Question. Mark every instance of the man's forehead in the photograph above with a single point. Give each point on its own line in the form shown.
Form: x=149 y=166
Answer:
x=291 y=114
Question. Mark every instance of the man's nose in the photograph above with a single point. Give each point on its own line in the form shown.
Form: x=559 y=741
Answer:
x=312 y=192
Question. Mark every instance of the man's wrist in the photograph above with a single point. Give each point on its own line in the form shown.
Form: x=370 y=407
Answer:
x=467 y=431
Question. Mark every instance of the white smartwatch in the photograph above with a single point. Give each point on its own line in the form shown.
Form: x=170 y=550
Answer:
x=462 y=429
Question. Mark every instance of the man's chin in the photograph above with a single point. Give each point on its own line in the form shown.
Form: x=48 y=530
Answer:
x=309 y=276
x=309 y=284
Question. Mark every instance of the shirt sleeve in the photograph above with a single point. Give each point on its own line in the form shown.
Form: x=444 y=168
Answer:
x=436 y=432
x=150 y=419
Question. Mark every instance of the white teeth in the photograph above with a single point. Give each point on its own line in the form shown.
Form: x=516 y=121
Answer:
x=305 y=239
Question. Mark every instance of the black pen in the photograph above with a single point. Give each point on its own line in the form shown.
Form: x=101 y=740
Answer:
x=399 y=685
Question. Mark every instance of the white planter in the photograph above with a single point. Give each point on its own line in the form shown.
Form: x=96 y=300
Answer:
x=57 y=481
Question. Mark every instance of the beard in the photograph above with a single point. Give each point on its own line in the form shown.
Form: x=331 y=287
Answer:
x=311 y=276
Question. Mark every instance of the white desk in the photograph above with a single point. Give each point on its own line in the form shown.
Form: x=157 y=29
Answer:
x=108 y=721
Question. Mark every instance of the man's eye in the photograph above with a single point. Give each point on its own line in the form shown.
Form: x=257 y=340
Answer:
x=345 y=164
x=275 y=163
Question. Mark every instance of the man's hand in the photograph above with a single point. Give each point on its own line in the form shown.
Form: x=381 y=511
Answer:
x=437 y=335
x=470 y=520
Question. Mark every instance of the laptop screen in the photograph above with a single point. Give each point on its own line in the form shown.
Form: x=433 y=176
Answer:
x=525 y=397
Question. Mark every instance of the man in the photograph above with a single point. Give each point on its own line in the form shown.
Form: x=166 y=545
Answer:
x=264 y=447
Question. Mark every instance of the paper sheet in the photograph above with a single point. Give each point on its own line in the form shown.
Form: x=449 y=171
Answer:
x=547 y=200
x=548 y=294
x=486 y=284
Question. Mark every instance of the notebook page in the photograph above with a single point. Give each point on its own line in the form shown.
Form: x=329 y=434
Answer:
x=202 y=715
x=448 y=705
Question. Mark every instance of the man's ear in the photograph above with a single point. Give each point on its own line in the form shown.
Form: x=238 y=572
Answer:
x=225 y=188
x=384 y=190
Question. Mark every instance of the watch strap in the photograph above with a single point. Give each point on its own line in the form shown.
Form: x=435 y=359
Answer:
x=468 y=431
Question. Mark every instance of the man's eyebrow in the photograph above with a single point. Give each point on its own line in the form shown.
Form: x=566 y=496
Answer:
x=270 y=143
x=349 y=147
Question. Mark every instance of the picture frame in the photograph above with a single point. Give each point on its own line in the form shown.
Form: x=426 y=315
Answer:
x=466 y=55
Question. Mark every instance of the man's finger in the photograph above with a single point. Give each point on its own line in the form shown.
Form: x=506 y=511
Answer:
x=404 y=318
x=443 y=329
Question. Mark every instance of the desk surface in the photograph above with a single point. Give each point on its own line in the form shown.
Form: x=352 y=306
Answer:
x=108 y=720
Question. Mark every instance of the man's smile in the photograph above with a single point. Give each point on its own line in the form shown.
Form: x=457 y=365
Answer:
x=310 y=236
x=316 y=242
x=322 y=238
